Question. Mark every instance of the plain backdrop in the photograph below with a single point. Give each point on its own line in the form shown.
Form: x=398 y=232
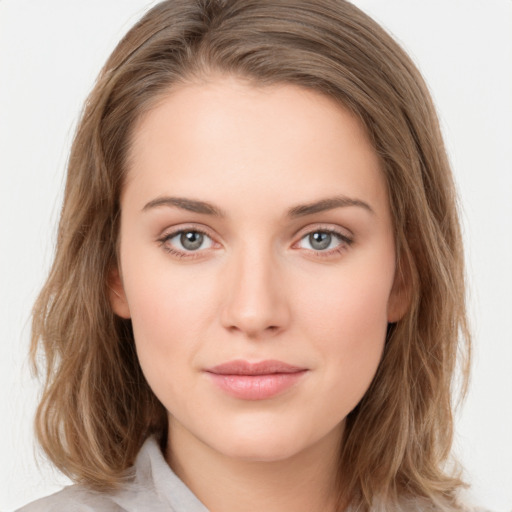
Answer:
x=50 y=54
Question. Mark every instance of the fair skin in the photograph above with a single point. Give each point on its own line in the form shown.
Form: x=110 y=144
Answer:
x=253 y=278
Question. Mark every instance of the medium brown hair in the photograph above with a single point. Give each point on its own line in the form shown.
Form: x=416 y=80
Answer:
x=97 y=409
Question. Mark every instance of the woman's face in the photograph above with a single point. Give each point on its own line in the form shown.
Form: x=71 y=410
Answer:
x=257 y=265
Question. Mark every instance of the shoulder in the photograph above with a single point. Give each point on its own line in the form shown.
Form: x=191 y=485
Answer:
x=150 y=485
x=74 y=498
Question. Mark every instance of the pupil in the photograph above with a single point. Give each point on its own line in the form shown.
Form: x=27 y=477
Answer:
x=320 y=240
x=191 y=240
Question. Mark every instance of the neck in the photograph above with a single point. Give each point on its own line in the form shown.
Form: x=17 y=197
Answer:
x=305 y=482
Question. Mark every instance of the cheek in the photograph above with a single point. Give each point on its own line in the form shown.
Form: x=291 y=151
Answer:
x=347 y=317
x=350 y=303
x=168 y=308
x=352 y=328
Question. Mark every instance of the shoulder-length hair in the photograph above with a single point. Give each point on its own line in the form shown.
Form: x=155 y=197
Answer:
x=96 y=408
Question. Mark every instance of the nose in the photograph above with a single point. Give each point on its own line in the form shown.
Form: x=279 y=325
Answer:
x=255 y=302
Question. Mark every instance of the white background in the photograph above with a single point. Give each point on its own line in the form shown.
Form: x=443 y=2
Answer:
x=50 y=53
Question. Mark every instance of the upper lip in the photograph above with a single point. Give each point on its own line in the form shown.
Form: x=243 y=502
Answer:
x=240 y=367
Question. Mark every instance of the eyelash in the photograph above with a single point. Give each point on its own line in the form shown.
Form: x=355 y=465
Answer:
x=181 y=254
x=345 y=242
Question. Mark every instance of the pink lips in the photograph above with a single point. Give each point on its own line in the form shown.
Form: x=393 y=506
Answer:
x=255 y=381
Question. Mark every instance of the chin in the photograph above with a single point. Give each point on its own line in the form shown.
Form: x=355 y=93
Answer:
x=265 y=444
x=261 y=450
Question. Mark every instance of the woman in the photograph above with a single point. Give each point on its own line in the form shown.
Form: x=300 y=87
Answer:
x=258 y=293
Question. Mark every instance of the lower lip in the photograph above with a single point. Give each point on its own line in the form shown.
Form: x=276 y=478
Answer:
x=256 y=387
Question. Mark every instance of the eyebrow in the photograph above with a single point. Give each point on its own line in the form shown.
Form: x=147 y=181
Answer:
x=193 y=205
x=327 y=204
x=190 y=205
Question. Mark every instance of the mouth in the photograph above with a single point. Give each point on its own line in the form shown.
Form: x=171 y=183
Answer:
x=240 y=367
x=255 y=381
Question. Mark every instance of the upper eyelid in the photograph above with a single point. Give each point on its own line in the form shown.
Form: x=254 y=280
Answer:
x=329 y=228
x=171 y=231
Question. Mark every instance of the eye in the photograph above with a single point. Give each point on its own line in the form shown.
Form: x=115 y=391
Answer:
x=323 y=240
x=184 y=241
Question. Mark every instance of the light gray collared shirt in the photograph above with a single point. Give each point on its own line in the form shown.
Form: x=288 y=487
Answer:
x=155 y=487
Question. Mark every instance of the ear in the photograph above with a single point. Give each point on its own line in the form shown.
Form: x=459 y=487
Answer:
x=401 y=292
x=117 y=295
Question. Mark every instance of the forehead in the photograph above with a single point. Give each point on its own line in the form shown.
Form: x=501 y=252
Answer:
x=228 y=138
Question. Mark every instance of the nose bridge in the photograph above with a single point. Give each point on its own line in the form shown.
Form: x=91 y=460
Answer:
x=255 y=300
